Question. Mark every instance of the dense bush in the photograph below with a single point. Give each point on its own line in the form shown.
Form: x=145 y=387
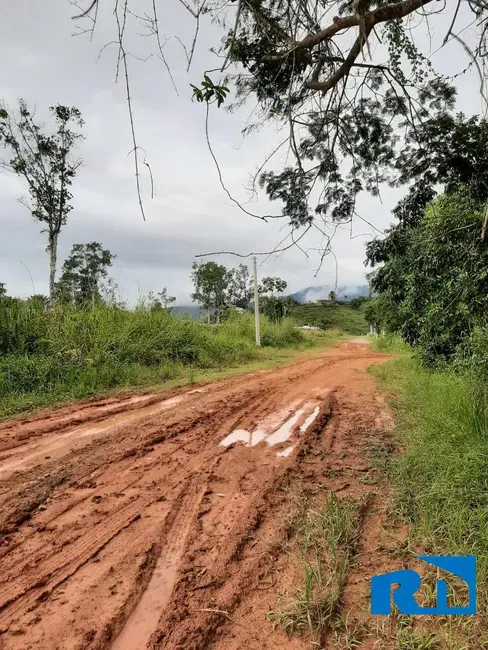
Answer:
x=433 y=282
x=80 y=352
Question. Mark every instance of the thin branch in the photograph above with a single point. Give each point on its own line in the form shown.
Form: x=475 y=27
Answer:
x=87 y=11
x=195 y=35
x=131 y=117
x=454 y=18
x=234 y=32
x=214 y=158
x=160 y=46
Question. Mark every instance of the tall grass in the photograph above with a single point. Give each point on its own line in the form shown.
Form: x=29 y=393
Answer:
x=390 y=343
x=441 y=477
x=325 y=535
x=70 y=352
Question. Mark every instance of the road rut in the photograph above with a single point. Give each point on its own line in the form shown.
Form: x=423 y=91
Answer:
x=153 y=521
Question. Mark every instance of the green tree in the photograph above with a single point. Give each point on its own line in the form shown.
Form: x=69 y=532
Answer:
x=357 y=303
x=45 y=162
x=211 y=283
x=38 y=301
x=272 y=286
x=433 y=283
x=161 y=301
x=240 y=287
x=83 y=274
x=271 y=302
x=3 y=290
x=332 y=296
x=340 y=103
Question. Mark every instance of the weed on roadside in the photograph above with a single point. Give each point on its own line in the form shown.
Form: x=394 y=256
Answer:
x=411 y=640
x=440 y=486
x=324 y=537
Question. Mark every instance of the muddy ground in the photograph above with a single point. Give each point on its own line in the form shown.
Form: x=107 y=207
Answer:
x=157 y=520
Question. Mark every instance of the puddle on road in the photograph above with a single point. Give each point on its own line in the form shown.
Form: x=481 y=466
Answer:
x=286 y=452
x=61 y=444
x=241 y=435
x=309 y=419
x=284 y=432
x=273 y=430
x=360 y=340
x=143 y=620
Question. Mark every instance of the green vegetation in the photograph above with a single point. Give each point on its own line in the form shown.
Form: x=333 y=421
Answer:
x=434 y=286
x=69 y=353
x=45 y=163
x=324 y=539
x=342 y=317
x=83 y=275
x=218 y=288
x=431 y=276
x=441 y=476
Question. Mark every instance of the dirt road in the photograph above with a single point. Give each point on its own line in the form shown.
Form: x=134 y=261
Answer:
x=156 y=521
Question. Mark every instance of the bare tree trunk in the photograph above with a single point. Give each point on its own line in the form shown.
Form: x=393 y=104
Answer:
x=53 y=256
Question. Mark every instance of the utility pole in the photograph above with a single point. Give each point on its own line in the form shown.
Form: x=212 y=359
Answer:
x=256 y=301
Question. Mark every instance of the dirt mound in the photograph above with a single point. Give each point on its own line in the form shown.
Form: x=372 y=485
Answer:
x=156 y=521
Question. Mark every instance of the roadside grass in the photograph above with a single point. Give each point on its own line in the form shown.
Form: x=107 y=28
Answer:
x=69 y=354
x=390 y=343
x=324 y=535
x=440 y=483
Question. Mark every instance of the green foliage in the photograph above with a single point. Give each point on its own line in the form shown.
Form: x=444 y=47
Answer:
x=240 y=289
x=441 y=478
x=271 y=303
x=324 y=540
x=433 y=285
x=161 y=300
x=69 y=352
x=211 y=282
x=83 y=273
x=356 y=303
x=390 y=343
x=218 y=288
x=287 y=55
x=3 y=290
x=276 y=307
x=44 y=162
x=272 y=286
x=339 y=317
x=209 y=91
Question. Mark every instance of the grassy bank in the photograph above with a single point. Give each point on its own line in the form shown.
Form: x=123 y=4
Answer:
x=441 y=475
x=68 y=353
x=341 y=317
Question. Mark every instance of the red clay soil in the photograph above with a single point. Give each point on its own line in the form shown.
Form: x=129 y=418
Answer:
x=125 y=524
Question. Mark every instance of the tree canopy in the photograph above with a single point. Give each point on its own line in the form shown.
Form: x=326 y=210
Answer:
x=433 y=284
x=211 y=281
x=346 y=83
x=83 y=273
x=46 y=164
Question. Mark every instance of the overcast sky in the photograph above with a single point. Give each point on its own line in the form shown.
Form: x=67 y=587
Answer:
x=190 y=213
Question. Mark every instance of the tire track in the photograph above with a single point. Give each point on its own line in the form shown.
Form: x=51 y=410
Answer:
x=185 y=525
x=57 y=568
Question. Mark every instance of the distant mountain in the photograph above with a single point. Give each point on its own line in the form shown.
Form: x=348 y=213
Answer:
x=312 y=294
